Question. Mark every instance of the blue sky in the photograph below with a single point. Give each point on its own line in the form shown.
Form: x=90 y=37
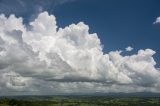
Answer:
x=118 y=23
x=36 y=58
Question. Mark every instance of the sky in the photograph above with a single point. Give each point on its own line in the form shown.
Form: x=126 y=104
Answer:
x=79 y=46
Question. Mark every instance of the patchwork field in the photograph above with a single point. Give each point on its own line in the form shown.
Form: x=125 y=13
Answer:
x=78 y=101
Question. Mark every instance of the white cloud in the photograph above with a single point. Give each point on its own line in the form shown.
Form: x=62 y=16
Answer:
x=29 y=7
x=47 y=59
x=129 y=49
x=157 y=21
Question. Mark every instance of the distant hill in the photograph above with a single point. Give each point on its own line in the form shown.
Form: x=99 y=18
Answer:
x=107 y=95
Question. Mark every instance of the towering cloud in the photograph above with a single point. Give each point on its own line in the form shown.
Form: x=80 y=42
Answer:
x=41 y=58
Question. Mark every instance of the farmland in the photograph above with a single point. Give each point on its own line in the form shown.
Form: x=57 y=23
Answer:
x=78 y=101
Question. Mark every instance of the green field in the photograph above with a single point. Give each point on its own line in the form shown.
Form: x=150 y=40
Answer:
x=78 y=101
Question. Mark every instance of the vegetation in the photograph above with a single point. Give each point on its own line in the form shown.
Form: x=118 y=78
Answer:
x=79 y=101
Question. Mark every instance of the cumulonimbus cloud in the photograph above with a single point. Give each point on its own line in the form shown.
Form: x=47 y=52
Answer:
x=41 y=58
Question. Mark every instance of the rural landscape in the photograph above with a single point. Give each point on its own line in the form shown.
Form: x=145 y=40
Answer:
x=79 y=52
x=78 y=101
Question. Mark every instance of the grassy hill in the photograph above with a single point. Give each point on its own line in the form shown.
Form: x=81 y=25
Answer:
x=77 y=101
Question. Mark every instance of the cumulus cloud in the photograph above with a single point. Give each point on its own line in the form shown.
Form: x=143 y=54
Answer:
x=129 y=49
x=44 y=59
x=157 y=21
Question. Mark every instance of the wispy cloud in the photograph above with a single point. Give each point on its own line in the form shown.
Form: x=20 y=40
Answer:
x=29 y=6
x=157 y=21
x=129 y=48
